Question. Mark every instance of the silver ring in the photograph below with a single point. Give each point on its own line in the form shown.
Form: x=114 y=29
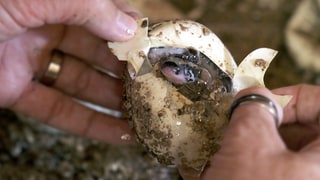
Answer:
x=258 y=99
x=53 y=69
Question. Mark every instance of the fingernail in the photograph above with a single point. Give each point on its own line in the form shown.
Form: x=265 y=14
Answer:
x=130 y=32
x=127 y=25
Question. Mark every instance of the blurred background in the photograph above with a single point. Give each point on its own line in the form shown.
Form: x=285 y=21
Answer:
x=30 y=150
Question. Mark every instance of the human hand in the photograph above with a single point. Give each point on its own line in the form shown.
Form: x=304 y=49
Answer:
x=31 y=30
x=253 y=148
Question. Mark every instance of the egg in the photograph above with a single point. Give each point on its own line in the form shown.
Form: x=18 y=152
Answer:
x=179 y=86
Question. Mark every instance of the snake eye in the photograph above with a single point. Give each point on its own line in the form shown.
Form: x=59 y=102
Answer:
x=176 y=70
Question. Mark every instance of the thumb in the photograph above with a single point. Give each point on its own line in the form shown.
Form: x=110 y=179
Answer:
x=250 y=139
x=252 y=126
x=102 y=17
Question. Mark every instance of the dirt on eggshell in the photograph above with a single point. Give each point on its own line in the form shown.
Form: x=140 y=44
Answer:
x=204 y=119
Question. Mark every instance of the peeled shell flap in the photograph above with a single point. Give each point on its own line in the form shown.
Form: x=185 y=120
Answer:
x=177 y=33
x=135 y=50
x=251 y=70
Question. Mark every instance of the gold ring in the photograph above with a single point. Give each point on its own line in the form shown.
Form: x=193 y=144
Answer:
x=53 y=69
x=258 y=99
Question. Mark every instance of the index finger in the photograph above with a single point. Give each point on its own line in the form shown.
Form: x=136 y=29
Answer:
x=304 y=107
x=102 y=17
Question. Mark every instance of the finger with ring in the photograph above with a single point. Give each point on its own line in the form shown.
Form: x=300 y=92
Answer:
x=54 y=68
x=260 y=100
x=83 y=81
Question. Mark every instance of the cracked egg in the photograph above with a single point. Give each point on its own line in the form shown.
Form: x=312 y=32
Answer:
x=179 y=85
